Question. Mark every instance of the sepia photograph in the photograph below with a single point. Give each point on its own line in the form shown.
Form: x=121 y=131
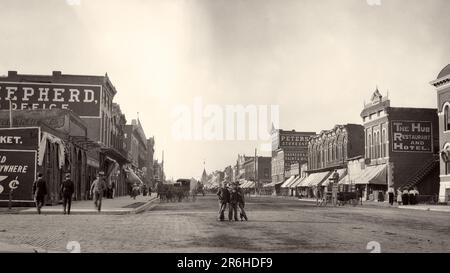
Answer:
x=241 y=128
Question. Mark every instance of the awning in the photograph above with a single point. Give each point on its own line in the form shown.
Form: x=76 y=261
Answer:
x=297 y=182
x=314 y=179
x=342 y=173
x=273 y=184
x=288 y=181
x=132 y=177
x=248 y=185
x=373 y=175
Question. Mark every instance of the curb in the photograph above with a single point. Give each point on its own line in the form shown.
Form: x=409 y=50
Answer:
x=118 y=211
x=425 y=209
x=147 y=206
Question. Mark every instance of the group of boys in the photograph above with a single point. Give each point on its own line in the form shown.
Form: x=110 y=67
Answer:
x=233 y=196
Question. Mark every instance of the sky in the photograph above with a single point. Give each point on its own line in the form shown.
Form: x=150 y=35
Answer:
x=317 y=60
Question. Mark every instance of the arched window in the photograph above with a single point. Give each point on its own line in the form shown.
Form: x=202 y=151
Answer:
x=330 y=152
x=445 y=155
x=369 y=145
x=447 y=118
x=383 y=143
x=344 y=156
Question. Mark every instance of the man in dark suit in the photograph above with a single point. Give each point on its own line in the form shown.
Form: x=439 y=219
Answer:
x=224 y=199
x=39 y=192
x=67 y=190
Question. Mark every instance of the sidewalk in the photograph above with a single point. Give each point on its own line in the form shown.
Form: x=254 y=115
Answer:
x=442 y=208
x=313 y=200
x=117 y=206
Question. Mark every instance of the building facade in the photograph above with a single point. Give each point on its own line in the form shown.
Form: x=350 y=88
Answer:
x=330 y=149
x=88 y=97
x=442 y=85
x=401 y=146
x=288 y=147
x=49 y=144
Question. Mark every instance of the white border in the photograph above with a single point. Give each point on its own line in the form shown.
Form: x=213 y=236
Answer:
x=25 y=128
x=35 y=168
x=422 y=152
x=68 y=84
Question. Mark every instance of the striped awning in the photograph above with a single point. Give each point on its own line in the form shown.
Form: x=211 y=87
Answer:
x=342 y=173
x=314 y=179
x=371 y=175
x=273 y=184
x=288 y=182
x=297 y=182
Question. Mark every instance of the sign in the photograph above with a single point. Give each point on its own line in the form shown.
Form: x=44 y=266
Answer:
x=19 y=138
x=293 y=140
x=295 y=157
x=412 y=136
x=17 y=172
x=81 y=99
x=290 y=139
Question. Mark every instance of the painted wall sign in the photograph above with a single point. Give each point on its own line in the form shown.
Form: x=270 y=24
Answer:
x=295 y=157
x=81 y=99
x=17 y=172
x=412 y=136
x=19 y=138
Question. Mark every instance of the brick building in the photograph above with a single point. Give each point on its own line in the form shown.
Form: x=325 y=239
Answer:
x=88 y=97
x=401 y=146
x=54 y=135
x=329 y=151
x=288 y=147
x=442 y=85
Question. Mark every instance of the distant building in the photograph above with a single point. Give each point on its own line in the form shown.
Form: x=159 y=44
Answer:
x=288 y=147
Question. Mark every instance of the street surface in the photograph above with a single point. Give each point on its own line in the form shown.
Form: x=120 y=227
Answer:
x=276 y=225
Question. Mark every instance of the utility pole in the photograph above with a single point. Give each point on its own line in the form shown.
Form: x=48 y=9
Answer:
x=256 y=173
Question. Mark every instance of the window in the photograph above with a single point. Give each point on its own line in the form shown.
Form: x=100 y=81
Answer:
x=447 y=118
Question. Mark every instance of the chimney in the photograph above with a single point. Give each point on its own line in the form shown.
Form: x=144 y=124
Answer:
x=56 y=74
x=12 y=73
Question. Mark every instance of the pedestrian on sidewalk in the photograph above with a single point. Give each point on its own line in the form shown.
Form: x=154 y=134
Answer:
x=39 y=192
x=405 y=197
x=232 y=209
x=391 y=195
x=97 y=189
x=416 y=196
x=224 y=199
x=412 y=197
x=399 y=197
x=241 y=203
x=113 y=189
x=67 y=190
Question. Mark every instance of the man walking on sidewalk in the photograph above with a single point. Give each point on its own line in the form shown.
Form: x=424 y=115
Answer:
x=97 y=189
x=67 y=190
x=39 y=192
